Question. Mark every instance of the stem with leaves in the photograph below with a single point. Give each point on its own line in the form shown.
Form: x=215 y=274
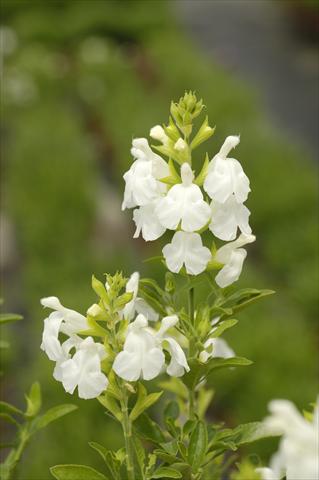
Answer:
x=127 y=432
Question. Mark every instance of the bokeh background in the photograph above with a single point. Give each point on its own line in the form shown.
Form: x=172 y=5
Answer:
x=79 y=79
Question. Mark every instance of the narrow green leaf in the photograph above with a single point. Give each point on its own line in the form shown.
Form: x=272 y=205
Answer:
x=166 y=472
x=248 y=433
x=245 y=297
x=9 y=317
x=171 y=410
x=149 y=429
x=222 y=326
x=143 y=404
x=8 y=418
x=8 y=408
x=111 y=405
x=197 y=446
x=34 y=400
x=76 y=472
x=99 y=448
x=53 y=414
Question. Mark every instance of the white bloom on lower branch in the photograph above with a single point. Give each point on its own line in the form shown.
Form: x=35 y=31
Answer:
x=228 y=217
x=142 y=355
x=83 y=370
x=298 y=454
x=62 y=320
x=147 y=222
x=186 y=249
x=141 y=180
x=183 y=204
x=232 y=256
x=216 y=347
x=225 y=175
x=137 y=304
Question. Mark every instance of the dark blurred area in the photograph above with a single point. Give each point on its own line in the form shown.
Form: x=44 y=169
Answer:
x=79 y=80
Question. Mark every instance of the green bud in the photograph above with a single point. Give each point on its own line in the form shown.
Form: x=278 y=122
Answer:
x=99 y=289
x=122 y=300
x=202 y=175
x=203 y=134
x=171 y=130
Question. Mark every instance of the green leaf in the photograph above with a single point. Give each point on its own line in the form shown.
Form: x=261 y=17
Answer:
x=166 y=472
x=33 y=400
x=99 y=448
x=8 y=408
x=54 y=414
x=144 y=401
x=149 y=429
x=197 y=446
x=8 y=418
x=245 y=297
x=248 y=433
x=171 y=410
x=140 y=454
x=76 y=472
x=221 y=327
x=151 y=299
x=216 y=363
x=100 y=289
x=9 y=317
x=111 y=405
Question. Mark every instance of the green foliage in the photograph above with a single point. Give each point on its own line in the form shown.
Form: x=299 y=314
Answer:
x=143 y=402
x=76 y=472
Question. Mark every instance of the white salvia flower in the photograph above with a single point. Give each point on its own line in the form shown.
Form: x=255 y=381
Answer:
x=216 y=347
x=142 y=355
x=159 y=134
x=186 y=249
x=50 y=342
x=183 y=203
x=66 y=347
x=225 y=175
x=83 y=370
x=72 y=321
x=180 y=145
x=147 y=222
x=227 y=217
x=137 y=304
x=268 y=474
x=141 y=180
x=298 y=454
x=178 y=364
x=232 y=256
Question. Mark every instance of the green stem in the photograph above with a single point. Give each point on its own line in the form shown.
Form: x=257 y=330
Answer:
x=127 y=431
x=8 y=466
x=192 y=348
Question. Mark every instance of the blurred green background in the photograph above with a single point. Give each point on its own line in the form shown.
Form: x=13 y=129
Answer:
x=79 y=80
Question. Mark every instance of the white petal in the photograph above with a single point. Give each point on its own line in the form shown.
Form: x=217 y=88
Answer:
x=84 y=371
x=227 y=217
x=147 y=222
x=267 y=474
x=226 y=176
x=140 y=358
x=221 y=348
x=178 y=364
x=159 y=134
x=143 y=151
x=230 y=273
x=186 y=248
x=50 y=343
x=51 y=302
x=141 y=306
x=184 y=203
x=141 y=187
x=224 y=253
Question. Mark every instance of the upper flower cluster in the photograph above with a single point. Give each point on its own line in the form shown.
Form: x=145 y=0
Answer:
x=167 y=195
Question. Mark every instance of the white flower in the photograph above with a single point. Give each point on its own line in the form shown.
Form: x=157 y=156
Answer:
x=83 y=370
x=71 y=321
x=50 y=342
x=298 y=454
x=180 y=145
x=225 y=175
x=147 y=222
x=183 y=203
x=141 y=180
x=142 y=355
x=186 y=249
x=268 y=474
x=216 y=347
x=227 y=217
x=137 y=304
x=232 y=256
x=159 y=134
